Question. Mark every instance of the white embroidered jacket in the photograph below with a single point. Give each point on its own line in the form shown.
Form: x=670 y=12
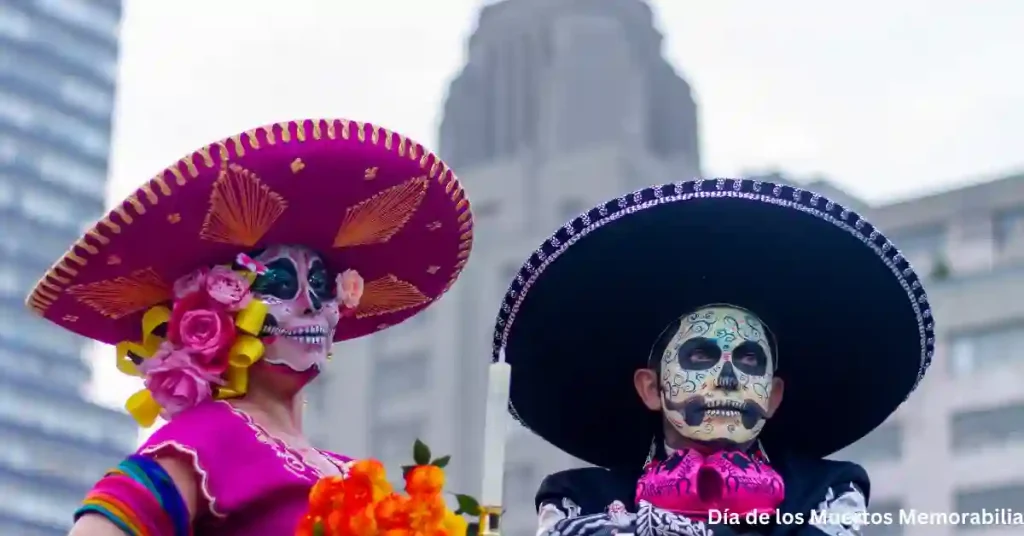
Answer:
x=838 y=514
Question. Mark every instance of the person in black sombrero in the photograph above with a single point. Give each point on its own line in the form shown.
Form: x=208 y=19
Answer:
x=706 y=345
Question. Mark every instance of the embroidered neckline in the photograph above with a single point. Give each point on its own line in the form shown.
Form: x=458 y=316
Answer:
x=295 y=461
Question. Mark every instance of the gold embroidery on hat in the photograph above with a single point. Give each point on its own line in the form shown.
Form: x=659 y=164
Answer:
x=122 y=296
x=242 y=208
x=377 y=219
x=371 y=173
x=388 y=295
x=297 y=165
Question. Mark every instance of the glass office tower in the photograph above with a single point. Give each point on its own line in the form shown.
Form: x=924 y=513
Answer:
x=58 y=65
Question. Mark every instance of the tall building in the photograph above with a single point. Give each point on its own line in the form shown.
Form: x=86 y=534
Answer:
x=958 y=444
x=58 y=64
x=560 y=106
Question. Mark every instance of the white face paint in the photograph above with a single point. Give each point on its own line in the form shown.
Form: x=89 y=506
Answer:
x=303 y=308
x=716 y=376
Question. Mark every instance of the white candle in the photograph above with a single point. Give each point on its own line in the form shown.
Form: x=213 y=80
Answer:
x=495 y=432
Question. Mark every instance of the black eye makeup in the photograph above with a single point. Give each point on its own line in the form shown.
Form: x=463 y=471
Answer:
x=281 y=280
x=699 y=353
x=320 y=281
x=750 y=357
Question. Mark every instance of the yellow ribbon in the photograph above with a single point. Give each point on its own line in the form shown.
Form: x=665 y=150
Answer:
x=143 y=408
x=236 y=383
x=244 y=352
x=145 y=348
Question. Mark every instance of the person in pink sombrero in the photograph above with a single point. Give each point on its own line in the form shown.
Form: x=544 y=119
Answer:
x=223 y=282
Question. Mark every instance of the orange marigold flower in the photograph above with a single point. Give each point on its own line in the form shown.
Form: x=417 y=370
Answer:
x=325 y=493
x=393 y=512
x=363 y=523
x=371 y=473
x=397 y=532
x=306 y=525
x=336 y=523
x=426 y=513
x=424 y=480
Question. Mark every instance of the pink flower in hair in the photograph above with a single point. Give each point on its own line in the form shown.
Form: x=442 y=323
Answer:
x=350 y=288
x=205 y=332
x=175 y=381
x=251 y=264
x=227 y=287
x=190 y=283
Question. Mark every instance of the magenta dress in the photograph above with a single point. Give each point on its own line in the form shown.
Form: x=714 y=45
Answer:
x=250 y=482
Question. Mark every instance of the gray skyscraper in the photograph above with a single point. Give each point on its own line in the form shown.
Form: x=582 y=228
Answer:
x=561 y=105
x=58 y=65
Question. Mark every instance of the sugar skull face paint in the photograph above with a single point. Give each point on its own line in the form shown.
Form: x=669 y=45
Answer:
x=303 y=307
x=716 y=376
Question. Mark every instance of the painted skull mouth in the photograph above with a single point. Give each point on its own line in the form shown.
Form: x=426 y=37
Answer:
x=724 y=408
x=696 y=409
x=304 y=334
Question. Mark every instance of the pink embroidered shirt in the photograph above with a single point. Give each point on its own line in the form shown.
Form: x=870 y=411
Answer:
x=252 y=483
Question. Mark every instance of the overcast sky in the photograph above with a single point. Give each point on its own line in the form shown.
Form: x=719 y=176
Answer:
x=887 y=98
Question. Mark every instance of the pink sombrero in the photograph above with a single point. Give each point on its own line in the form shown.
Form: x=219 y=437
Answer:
x=362 y=196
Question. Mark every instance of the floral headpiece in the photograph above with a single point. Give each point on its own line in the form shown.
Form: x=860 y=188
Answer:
x=202 y=346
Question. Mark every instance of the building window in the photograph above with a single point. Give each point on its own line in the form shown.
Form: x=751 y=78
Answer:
x=398 y=375
x=1009 y=224
x=8 y=193
x=15 y=24
x=892 y=508
x=924 y=240
x=883 y=444
x=1007 y=497
x=39 y=335
x=63 y=171
x=55 y=209
x=47 y=505
x=9 y=284
x=87 y=96
x=67 y=461
x=86 y=422
x=85 y=15
x=392 y=442
x=46 y=370
x=986 y=350
x=28 y=115
x=972 y=430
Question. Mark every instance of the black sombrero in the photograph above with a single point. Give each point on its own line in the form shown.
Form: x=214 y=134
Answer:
x=852 y=323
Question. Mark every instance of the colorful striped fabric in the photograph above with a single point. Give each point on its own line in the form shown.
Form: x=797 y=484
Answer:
x=140 y=498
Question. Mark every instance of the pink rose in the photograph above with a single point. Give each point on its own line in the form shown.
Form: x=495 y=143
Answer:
x=190 y=283
x=350 y=288
x=175 y=381
x=228 y=287
x=207 y=334
x=251 y=264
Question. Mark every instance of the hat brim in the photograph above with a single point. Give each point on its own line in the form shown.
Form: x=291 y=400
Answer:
x=852 y=323
x=363 y=197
